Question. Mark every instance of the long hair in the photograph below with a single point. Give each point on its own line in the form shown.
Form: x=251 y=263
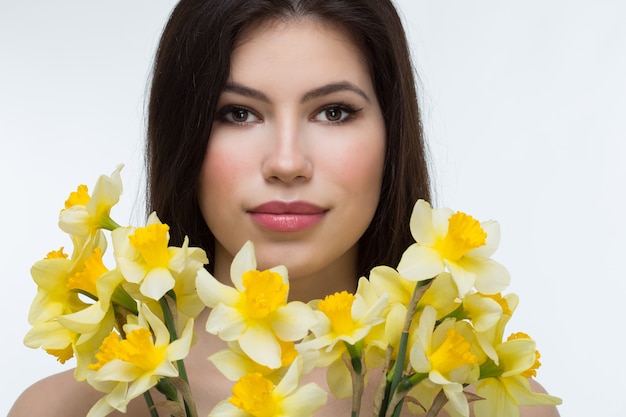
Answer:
x=191 y=68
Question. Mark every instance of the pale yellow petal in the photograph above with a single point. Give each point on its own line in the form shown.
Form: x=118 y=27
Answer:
x=261 y=345
x=304 y=402
x=421 y=223
x=156 y=283
x=419 y=263
x=232 y=365
x=84 y=321
x=293 y=321
x=212 y=292
x=339 y=379
x=244 y=261
x=226 y=322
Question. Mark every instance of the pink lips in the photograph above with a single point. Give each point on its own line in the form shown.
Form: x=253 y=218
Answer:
x=280 y=216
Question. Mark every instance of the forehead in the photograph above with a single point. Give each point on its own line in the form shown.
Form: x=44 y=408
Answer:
x=300 y=51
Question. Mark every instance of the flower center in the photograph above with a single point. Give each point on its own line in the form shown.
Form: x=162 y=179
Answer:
x=138 y=349
x=288 y=352
x=532 y=371
x=56 y=254
x=62 y=355
x=151 y=242
x=253 y=394
x=500 y=300
x=265 y=293
x=453 y=353
x=464 y=234
x=86 y=279
x=80 y=197
x=338 y=309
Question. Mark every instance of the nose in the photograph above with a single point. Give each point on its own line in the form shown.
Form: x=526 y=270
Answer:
x=288 y=159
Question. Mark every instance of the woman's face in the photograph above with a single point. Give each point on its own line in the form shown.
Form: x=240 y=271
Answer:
x=295 y=158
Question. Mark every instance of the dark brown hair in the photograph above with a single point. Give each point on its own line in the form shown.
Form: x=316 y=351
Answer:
x=191 y=68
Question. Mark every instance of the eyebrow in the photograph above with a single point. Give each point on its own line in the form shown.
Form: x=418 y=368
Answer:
x=309 y=95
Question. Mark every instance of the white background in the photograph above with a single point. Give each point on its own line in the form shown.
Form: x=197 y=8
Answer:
x=524 y=107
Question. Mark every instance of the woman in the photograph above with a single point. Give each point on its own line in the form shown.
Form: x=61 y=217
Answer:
x=290 y=123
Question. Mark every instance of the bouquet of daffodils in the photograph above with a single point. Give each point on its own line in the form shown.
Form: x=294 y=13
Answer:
x=423 y=330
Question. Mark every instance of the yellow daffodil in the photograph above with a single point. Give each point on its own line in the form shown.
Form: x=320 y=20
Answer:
x=505 y=386
x=126 y=368
x=347 y=317
x=488 y=334
x=255 y=311
x=457 y=242
x=144 y=257
x=485 y=311
x=446 y=354
x=187 y=304
x=64 y=321
x=256 y=396
x=83 y=214
x=344 y=322
x=233 y=363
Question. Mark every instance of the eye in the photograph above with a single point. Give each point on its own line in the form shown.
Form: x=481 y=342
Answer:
x=237 y=115
x=336 y=113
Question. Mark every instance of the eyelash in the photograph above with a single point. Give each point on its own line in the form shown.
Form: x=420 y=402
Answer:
x=349 y=110
x=229 y=110
x=350 y=114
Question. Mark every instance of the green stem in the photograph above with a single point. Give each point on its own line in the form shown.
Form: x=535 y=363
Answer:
x=170 y=323
x=148 y=397
x=109 y=224
x=355 y=351
x=398 y=373
x=121 y=297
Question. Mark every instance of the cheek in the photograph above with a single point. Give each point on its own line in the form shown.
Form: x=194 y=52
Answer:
x=358 y=167
x=217 y=177
x=225 y=161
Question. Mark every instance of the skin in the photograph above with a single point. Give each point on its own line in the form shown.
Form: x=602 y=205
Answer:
x=288 y=146
x=312 y=131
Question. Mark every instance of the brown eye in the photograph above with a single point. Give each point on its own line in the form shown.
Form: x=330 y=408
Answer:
x=239 y=115
x=333 y=114
x=336 y=114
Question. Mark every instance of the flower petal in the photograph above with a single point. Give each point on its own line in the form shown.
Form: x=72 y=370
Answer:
x=212 y=292
x=261 y=346
x=293 y=321
x=225 y=322
x=419 y=263
x=244 y=261
x=157 y=282
x=421 y=223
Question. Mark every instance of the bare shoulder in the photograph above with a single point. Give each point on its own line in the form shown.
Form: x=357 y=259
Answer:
x=56 y=395
x=60 y=395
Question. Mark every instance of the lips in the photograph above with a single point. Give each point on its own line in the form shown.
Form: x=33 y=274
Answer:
x=281 y=216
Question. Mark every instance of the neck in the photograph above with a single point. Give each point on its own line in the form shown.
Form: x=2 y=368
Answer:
x=337 y=276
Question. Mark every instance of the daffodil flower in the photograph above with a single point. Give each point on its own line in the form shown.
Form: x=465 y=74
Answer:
x=256 y=396
x=455 y=241
x=447 y=356
x=233 y=363
x=144 y=258
x=83 y=214
x=255 y=311
x=505 y=386
x=63 y=322
x=347 y=317
x=126 y=368
x=344 y=322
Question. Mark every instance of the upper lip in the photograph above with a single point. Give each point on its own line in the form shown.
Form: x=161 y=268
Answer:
x=287 y=207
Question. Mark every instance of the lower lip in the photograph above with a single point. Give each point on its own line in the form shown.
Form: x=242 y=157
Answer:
x=287 y=222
